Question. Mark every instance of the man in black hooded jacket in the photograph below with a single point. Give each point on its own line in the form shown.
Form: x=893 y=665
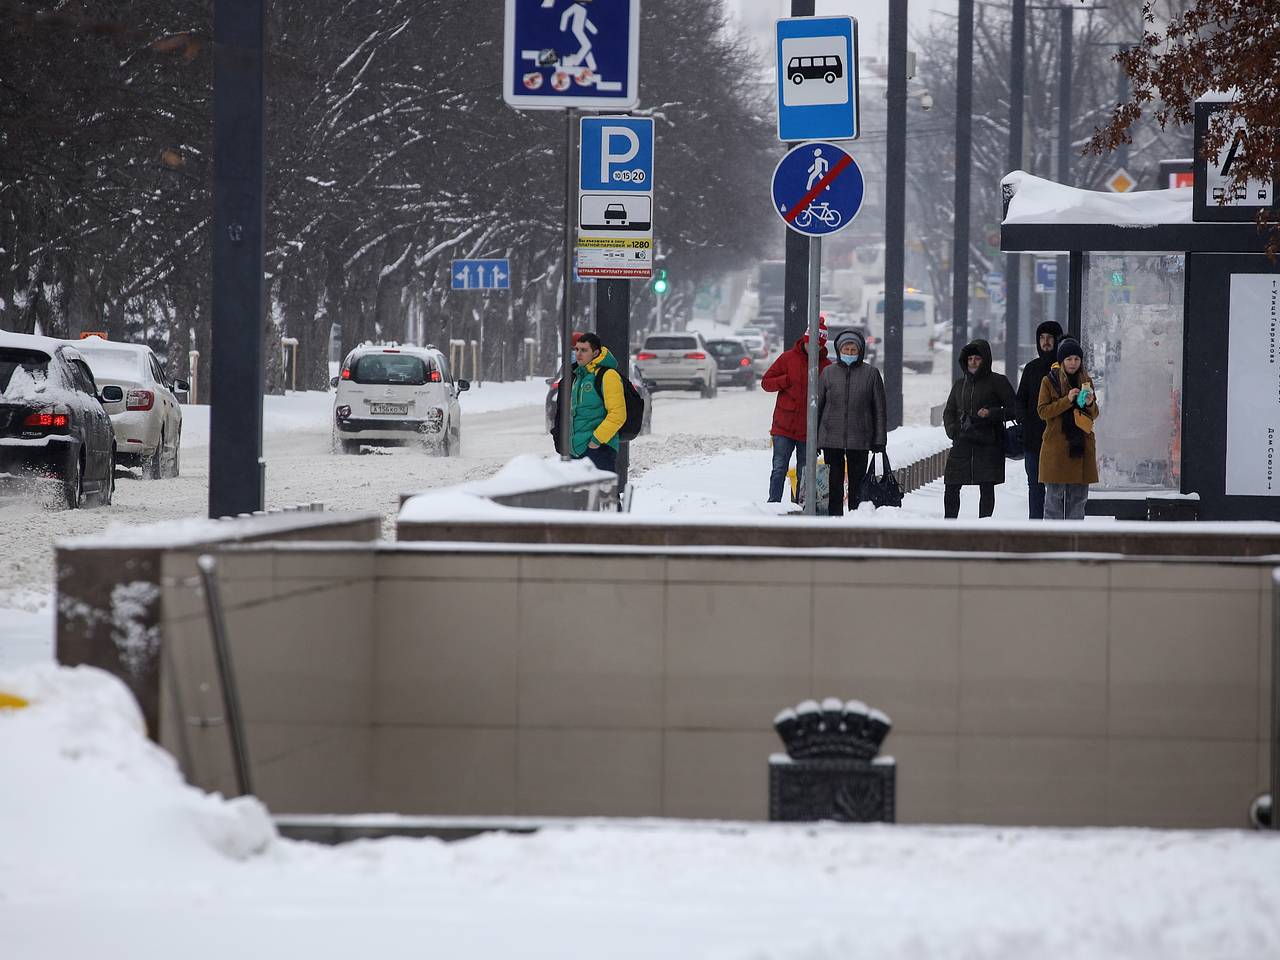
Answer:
x=1048 y=336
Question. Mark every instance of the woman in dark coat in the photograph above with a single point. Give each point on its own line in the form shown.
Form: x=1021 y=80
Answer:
x=980 y=403
x=851 y=418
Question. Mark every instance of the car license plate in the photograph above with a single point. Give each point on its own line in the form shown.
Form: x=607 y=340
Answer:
x=398 y=409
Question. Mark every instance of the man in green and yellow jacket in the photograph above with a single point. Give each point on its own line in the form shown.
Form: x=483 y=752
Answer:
x=598 y=413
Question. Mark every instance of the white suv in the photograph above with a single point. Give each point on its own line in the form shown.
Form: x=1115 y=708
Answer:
x=394 y=396
x=677 y=361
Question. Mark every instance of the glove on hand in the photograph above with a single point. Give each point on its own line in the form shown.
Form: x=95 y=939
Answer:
x=1083 y=397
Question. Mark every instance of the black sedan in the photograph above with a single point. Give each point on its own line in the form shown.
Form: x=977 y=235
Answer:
x=734 y=363
x=52 y=424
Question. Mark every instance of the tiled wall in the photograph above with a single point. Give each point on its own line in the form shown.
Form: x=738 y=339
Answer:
x=454 y=681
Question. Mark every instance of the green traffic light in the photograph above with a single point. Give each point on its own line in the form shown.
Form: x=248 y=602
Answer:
x=660 y=282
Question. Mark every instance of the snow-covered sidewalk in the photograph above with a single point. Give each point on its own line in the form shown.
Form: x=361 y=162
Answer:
x=105 y=852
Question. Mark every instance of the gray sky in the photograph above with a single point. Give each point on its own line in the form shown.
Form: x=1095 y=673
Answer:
x=872 y=16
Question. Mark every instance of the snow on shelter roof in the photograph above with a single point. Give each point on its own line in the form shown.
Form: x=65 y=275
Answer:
x=1039 y=201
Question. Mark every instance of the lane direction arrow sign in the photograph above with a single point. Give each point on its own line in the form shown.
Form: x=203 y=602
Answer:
x=818 y=189
x=480 y=275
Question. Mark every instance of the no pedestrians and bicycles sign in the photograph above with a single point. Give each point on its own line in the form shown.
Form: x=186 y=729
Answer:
x=818 y=189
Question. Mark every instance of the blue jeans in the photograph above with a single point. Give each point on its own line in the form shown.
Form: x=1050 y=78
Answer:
x=1035 y=489
x=783 y=448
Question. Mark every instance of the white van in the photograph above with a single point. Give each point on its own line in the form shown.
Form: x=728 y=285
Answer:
x=395 y=395
x=919 y=338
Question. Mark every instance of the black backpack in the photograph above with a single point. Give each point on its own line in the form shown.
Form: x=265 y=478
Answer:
x=635 y=407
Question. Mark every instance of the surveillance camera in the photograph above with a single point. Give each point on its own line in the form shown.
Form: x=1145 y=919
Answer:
x=926 y=101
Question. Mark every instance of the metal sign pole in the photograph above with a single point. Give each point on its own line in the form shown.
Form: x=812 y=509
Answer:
x=566 y=306
x=815 y=347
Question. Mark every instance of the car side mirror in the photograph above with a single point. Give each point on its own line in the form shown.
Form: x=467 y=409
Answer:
x=333 y=381
x=181 y=386
x=465 y=385
x=111 y=394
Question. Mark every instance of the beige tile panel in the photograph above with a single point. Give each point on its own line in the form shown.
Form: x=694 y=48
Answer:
x=886 y=571
x=1182 y=783
x=897 y=648
x=1039 y=781
x=601 y=568
x=926 y=778
x=1129 y=574
x=717 y=774
x=446 y=652
x=1033 y=662
x=307 y=658
x=336 y=563
x=1023 y=572
x=311 y=769
x=572 y=773
x=595 y=672
x=735 y=570
x=735 y=655
x=1184 y=664
x=445 y=771
x=431 y=563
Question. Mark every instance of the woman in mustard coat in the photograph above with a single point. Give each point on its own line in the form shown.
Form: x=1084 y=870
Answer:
x=1068 y=406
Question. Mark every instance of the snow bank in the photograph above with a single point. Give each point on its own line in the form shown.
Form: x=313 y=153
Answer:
x=1043 y=201
x=104 y=852
x=89 y=801
x=528 y=472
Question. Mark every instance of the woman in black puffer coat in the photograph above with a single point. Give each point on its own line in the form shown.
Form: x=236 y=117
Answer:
x=980 y=403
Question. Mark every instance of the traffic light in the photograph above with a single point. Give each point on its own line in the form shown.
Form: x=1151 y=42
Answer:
x=659 y=281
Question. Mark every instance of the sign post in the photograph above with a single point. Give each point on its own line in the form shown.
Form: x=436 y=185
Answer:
x=568 y=55
x=818 y=189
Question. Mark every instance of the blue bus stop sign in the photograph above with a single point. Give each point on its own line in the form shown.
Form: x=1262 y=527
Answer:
x=570 y=53
x=818 y=189
x=817 y=79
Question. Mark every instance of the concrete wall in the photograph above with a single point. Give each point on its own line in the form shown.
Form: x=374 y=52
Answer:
x=448 y=679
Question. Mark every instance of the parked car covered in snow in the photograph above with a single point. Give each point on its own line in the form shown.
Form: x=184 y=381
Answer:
x=52 y=421
x=148 y=419
x=397 y=395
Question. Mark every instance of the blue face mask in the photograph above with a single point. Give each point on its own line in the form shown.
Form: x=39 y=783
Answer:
x=850 y=361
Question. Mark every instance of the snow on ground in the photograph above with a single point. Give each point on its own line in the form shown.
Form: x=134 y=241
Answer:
x=105 y=852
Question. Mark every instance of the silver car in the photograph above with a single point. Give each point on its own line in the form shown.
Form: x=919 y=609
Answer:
x=148 y=420
x=677 y=361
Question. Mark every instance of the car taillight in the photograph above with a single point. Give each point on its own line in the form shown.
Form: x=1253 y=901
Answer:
x=646 y=356
x=46 y=421
x=139 y=400
x=745 y=362
x=346 y=373
x=435 y=376
x=695 y=356
x=555 y=384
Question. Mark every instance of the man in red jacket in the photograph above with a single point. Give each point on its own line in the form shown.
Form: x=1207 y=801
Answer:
x=789 y=379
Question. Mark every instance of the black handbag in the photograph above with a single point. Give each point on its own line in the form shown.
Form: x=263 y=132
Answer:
x=880 y=491
x=1014 y=448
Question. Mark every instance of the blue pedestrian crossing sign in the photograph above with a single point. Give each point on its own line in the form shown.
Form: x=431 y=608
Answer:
x=572 y=53
x=480 y=275
x=817 y=79
x=818 y=189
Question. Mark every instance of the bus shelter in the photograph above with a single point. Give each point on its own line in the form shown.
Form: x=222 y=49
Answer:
x=1178 y=320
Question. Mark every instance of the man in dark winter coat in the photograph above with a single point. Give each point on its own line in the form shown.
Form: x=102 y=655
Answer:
x=1048 y=336
x=974 y=417
x=789 y=379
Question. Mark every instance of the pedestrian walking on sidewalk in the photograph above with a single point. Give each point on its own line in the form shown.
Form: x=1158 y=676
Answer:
x=974 y=417
x=789 y=379
x=851 y=418
x=1048 y=336
x=1068 y=406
